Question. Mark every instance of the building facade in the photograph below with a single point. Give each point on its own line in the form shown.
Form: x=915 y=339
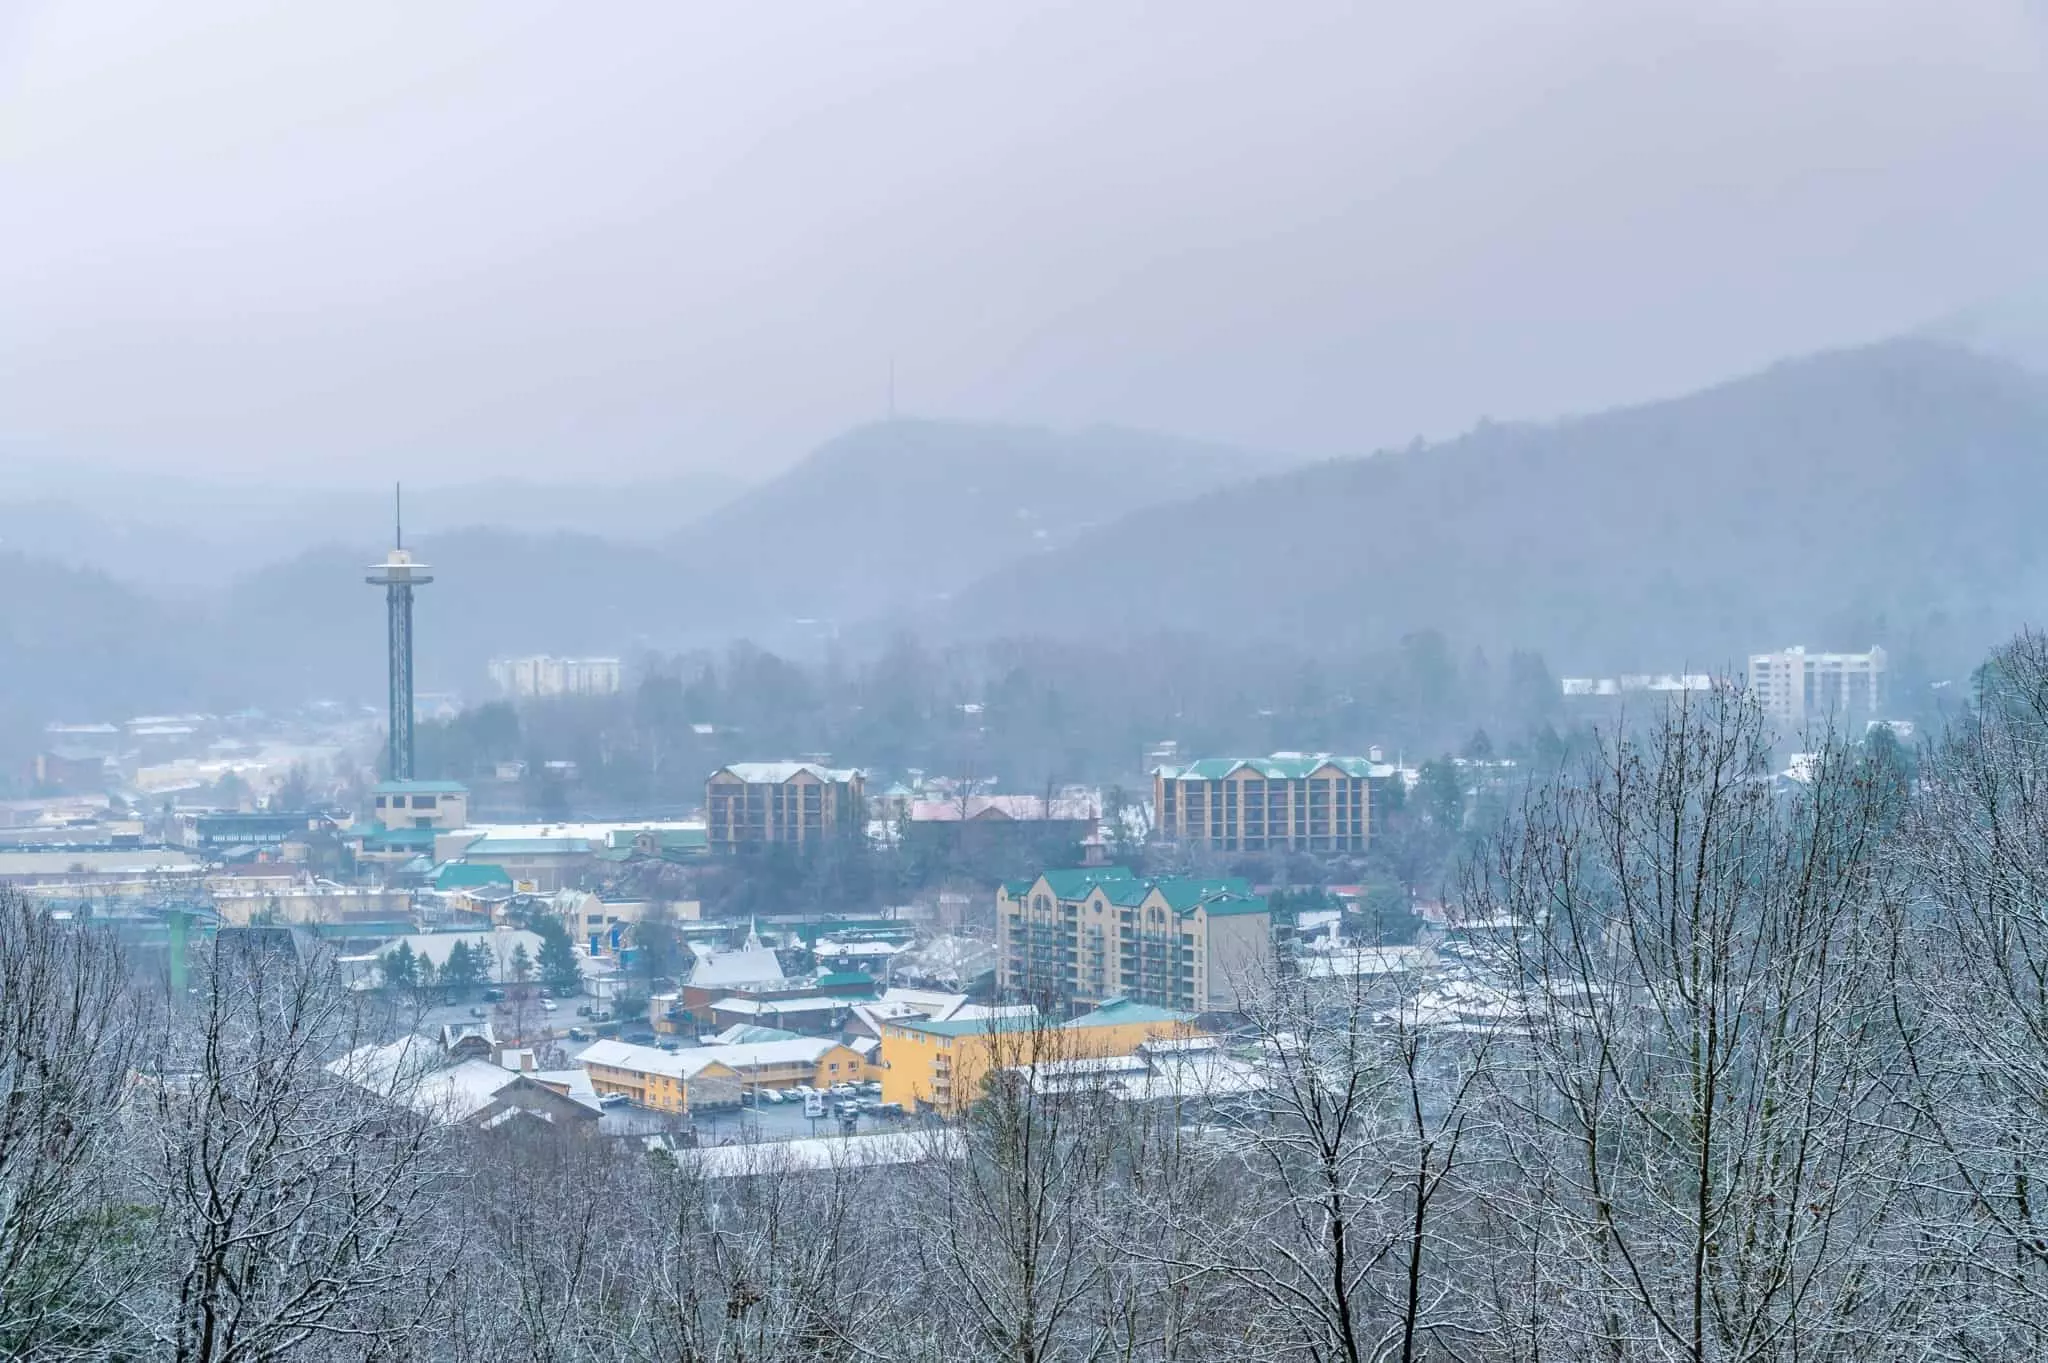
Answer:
x=419 y=804
x=942 y=1066
x=541 y=675
x=1074 y=939
x=1795 y=687
x=1307 y=803
x=716 y=1076
x=752 y=804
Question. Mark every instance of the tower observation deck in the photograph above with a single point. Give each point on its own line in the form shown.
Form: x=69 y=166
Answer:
x=398 y=574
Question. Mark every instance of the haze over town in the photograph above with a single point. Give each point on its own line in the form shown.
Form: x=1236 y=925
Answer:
x=1046 y=683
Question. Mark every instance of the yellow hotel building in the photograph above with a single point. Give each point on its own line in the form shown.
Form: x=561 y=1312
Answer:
x=715 y=1076
x=941 y=1066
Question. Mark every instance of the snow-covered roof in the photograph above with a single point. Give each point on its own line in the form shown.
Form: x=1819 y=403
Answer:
x=694 y=1060
x=406 y=1072
x=1349 y=962
x=777 y=1007
x=903 y=1001
x=775 y=773
x=809 y=1155
x=835 y=951
x=724 y=969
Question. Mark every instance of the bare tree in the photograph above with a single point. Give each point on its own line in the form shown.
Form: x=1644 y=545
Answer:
x=1701 y=1146
x=1016 y=1225
x=67 y=1036
x=1972 y=1004
x=289 y=1197
x=1347 y=1174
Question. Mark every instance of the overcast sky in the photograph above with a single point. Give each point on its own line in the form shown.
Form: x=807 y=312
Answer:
x=332 y=242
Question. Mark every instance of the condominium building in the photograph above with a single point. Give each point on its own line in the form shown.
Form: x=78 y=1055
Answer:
x=750 y=804
x=1296 y=801
x=1078 y=938
x=1795 y=687
x=541 y=675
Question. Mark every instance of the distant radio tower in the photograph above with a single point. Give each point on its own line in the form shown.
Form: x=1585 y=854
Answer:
x=398 y=575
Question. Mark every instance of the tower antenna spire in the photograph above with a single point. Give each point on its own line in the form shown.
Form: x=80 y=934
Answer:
x=398 y=515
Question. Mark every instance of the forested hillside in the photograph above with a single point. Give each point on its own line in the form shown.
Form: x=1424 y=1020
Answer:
x=1883 y=494
x=907 y=512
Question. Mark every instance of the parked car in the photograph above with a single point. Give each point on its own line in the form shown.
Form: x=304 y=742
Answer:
x=614 y=1099
x=578 y=1034
x=873 y=1088
x=771 y=1095
x=494 y=996
x=889 y=1110
x=583 y=1010
x=548 y=1005
x=477 y=1013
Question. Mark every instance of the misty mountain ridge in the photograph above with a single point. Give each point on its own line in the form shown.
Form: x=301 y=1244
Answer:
x=904 y=513
x=187 y=537
x=862 y=527
x=1889 y=490
x=1883 y=494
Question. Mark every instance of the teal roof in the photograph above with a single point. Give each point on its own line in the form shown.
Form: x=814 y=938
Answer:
x=1214 y=895
x=841 y=979
x=419 y=788
x=528 y=847
x=1290 y=767
x=1119 y=1012
x=462 y=875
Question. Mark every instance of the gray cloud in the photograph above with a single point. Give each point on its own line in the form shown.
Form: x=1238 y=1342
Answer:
x=329 y=243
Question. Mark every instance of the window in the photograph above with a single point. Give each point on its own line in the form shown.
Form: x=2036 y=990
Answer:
x=380 y=802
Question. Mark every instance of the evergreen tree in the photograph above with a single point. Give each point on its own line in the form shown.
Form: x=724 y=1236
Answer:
x=559 y=970
x=401 y=967
x=463 y=970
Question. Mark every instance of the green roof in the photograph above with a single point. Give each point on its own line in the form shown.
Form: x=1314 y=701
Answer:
x=841 y=979
x=1119 y=1012
x=528 y=847
x=1281 y=767
x=419 y=788
x=1214 y=895
x=462 y=875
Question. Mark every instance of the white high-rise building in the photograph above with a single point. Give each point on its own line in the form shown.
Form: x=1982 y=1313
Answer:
x=541 y=675
x=1795 y=687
